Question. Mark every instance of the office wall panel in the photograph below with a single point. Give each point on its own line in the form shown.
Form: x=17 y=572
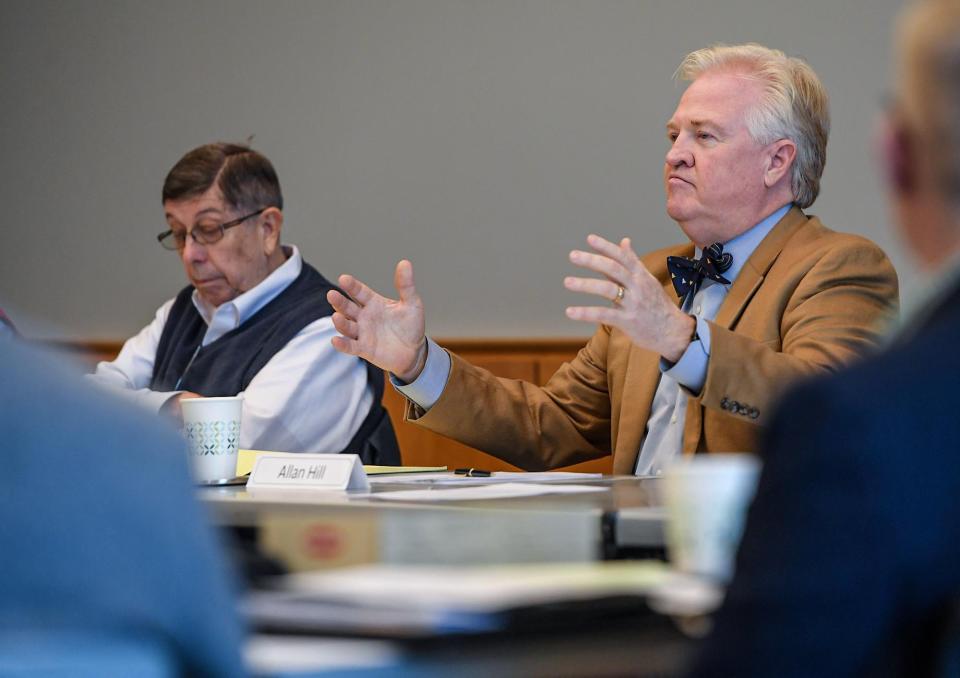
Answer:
x=483 y=139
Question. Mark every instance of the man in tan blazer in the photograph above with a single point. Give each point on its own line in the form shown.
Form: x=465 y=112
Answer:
x=689 y=355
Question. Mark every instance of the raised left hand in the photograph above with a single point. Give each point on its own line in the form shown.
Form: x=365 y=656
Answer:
x=644 y=312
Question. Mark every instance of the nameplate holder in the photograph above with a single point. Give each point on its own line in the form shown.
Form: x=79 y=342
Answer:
x=308 y=472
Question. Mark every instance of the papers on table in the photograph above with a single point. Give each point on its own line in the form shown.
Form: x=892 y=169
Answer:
x=449 y=478
x=494 y=491
x=498 y=485
x=273 y=654
x=414 y=600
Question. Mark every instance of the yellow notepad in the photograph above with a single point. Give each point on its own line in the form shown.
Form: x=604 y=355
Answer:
x=385 y=470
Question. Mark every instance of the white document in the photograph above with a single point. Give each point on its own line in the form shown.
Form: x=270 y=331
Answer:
x=481 y=588
x=411 y=600
x=275 y=654
x=448 y=478
x=495 y=491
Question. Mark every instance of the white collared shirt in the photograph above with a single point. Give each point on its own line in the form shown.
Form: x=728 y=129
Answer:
x=308 y=398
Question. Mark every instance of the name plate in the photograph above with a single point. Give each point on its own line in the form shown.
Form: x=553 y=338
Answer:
x=309 y=471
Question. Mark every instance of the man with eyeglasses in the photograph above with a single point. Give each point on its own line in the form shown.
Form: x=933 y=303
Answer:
x=254 y=320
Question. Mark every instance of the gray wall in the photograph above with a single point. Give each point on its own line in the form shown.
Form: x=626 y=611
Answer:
x=483 y=139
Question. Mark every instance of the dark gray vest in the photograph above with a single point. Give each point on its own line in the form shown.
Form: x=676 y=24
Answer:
x=226 y=366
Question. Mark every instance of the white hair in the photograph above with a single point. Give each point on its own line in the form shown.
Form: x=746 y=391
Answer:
x=793 y=105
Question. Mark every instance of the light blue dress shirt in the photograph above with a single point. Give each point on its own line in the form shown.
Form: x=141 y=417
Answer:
x=664 y=436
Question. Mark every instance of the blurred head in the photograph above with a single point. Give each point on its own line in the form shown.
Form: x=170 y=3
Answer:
x=217 y=184
x=748 y=136
x=921 y=137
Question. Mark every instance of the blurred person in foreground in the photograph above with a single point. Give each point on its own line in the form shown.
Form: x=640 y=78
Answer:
x=103 y=541
x=849 y=560
x=254 y=320
x=7 y=329
x=690 y=353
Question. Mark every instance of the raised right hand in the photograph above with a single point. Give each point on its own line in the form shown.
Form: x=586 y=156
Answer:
x=389 y=333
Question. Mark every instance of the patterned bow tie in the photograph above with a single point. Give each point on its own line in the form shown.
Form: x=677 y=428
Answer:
x=687 y=274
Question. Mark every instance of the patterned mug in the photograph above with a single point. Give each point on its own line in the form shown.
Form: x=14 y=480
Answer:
x=212 y=430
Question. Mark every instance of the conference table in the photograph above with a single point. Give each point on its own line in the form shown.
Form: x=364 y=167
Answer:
x=316 y=531
x=311 y=529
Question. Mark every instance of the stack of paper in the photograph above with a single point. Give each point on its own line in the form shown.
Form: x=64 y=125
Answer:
x=409 y=601
x=495 y=491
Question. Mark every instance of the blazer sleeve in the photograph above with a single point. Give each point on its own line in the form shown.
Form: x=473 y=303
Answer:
x=564 y=422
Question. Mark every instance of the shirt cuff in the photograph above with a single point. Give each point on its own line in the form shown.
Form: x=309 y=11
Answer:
x=691 y=370
x=427 y=388
x=154 y=400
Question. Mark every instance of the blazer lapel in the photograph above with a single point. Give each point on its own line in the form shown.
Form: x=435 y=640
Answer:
x=639 y=385
x=643 y=368
x=753 y=272
x=741 y=292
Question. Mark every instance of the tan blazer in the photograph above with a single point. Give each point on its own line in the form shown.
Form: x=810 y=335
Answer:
x=807 y=301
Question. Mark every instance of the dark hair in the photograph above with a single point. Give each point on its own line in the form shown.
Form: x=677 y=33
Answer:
x=246 y=178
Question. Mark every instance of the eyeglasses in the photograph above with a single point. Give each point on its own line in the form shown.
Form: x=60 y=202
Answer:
x=202 y=235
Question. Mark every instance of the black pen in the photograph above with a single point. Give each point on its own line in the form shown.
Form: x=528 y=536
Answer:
x=473 y=473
